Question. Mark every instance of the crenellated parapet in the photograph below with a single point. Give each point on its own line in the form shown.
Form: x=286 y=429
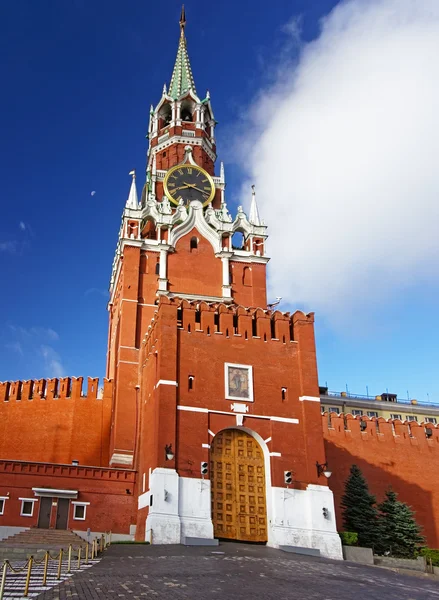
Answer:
x=55 y=388
x=209 y=319
x=345 y=427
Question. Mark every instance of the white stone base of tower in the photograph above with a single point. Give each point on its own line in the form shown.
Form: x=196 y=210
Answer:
x=181 y=507
x=296 y=518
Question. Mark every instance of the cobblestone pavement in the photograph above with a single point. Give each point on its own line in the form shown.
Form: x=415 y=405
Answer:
x=232 y=571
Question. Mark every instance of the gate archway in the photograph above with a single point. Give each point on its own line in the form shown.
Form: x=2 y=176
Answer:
x=237 y=472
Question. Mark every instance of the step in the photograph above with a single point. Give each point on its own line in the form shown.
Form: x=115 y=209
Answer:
x=195 y=541
x=300 y=550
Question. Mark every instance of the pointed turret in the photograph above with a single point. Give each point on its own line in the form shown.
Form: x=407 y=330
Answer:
x=132 y=201
x=182 y=79
x=254 y=218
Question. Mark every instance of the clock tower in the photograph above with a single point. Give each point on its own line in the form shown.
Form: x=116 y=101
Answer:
x=215 y=395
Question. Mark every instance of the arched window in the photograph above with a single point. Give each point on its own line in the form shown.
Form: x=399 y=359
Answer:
x=143 y=264
x=186 y=115
x=238 y=240
x=165 y=116
x=157 y=267
x=194 y=243
x=247 y=276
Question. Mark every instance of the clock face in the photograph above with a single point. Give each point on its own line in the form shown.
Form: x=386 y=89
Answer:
x=189 y=182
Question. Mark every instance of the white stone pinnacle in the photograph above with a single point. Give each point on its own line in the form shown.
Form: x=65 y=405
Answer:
x=133 y=201
x=254 y=218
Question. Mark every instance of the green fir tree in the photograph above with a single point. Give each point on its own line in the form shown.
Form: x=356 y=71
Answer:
x=400 y=533
x=359 y=510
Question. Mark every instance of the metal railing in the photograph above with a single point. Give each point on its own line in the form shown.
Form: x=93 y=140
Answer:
x=92 y=551
x=352 y=396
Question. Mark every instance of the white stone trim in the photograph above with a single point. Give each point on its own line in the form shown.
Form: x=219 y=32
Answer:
x=121 y=459
x=84 y=504
x=127 y=362
x=55 y=493
x=205 y=446
x=309 y=398
x=193 y=409
x=224 y=412
x=284 y=420
x=250 y=258
x=238 y=407
x=211 y=433
x=275 y=454
x=23 y=500
x=143 y=500
x=268 y=440
x=249 y=369
x=199 y=297
x=195 y=220
x=165 y=382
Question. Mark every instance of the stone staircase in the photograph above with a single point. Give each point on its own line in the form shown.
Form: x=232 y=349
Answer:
x=36 y=542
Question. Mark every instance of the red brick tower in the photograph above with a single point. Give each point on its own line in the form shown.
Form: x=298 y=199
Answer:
x=215 y=396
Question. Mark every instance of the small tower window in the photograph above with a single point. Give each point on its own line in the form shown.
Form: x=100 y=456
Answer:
x=247 y=276
x=194 y=243
x=157 y=267
x=186 y=115
x=190 y=383
x=284 y=394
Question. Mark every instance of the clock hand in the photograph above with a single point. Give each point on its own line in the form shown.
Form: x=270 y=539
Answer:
x=193 y=186
x=182 y=187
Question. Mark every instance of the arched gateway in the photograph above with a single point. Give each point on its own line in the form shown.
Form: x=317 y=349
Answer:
x=239 y=510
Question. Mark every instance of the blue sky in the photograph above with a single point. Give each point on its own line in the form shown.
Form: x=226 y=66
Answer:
x=78 y=78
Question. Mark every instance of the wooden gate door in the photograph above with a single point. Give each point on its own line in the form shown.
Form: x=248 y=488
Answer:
x=237 y=476
x=62 y=513
x=44 y=514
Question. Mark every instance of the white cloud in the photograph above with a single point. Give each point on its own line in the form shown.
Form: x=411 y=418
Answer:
x=37 y=342
x=52 y=362
x=40 y=333
x=344 y=151
x=22 y=225
x=9 y=247
x=15 y=347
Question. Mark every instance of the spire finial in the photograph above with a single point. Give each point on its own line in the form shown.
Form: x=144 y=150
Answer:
x=182 y=79
x=254 y=218
x=182 y=20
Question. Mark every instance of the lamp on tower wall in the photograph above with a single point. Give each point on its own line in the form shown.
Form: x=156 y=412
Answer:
x=322 y=469
x=169 y=455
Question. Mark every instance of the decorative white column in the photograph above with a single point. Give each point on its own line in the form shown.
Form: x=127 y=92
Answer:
x=163 y=281
x=227 y=288
x=198 y=116
x=154 y=126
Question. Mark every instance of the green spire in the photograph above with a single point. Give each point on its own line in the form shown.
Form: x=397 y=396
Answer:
x=182 y=79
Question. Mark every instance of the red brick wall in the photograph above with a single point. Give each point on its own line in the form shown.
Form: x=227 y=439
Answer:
x=195 y=271
x=111 y=507
x=50 y=421
x=403 y=458
x=172 y=353
x=249 y=284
